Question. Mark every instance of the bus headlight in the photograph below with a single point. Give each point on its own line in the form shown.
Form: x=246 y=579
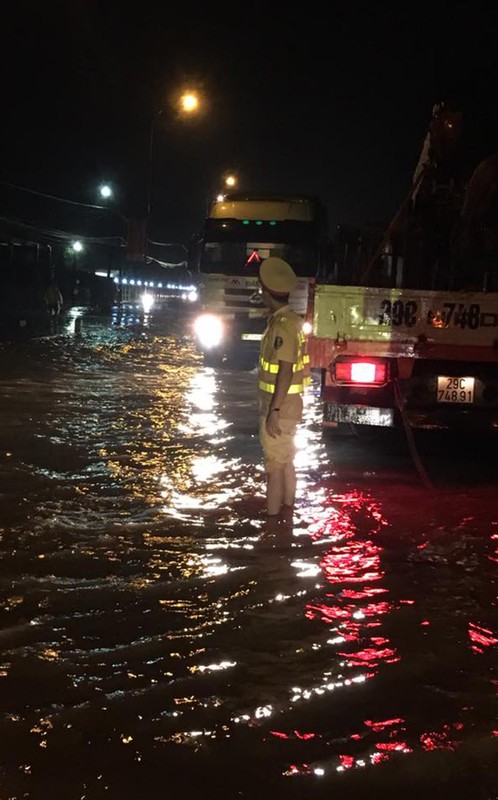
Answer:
x=209 y=330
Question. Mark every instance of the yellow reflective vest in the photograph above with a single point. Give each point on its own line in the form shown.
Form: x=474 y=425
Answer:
x=283 y=340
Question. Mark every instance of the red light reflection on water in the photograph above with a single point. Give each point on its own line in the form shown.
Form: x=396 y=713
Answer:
x=378 y=758
x=334 y=521
x=352 y=594
x=352 y=564
x=354 y=606
x=370 y=656
x=392 y=747
x=357 y=561
x=380 y=725
x=299 y=769
x=293 y=735
x=481 y=638
x=353 y=609
x=441 y=740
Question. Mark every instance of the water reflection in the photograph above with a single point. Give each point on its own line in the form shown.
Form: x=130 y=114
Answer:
x=344 y=559
x=148 y=618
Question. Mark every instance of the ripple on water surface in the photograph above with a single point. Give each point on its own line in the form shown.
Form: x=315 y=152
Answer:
x=152 y=630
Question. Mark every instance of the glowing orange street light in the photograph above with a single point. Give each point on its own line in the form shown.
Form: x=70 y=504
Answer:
x=189 y=102
x=231 y=181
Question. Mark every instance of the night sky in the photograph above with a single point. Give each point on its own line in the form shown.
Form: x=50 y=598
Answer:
x=332 y=100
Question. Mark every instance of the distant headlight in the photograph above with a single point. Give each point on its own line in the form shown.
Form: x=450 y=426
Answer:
x=192 y=296
x=147 y=302
x=209 y=330
x=307 y=328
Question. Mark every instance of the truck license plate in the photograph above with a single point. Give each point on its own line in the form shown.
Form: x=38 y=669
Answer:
x=455 y=390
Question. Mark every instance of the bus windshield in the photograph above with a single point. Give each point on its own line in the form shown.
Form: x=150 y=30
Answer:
x=241 y=231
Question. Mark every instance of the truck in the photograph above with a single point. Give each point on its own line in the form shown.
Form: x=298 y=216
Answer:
x=240 y=230
x=406 y=330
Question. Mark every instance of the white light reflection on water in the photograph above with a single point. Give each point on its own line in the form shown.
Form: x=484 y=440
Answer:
x=308 y=440
x=306 y=570
x=210 y=480
x=74 y=313
x=204 y=417
x=217 y=667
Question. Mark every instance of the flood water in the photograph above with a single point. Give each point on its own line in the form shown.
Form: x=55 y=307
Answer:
x=156 y=642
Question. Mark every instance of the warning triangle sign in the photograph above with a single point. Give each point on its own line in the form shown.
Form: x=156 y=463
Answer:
x=253 y=258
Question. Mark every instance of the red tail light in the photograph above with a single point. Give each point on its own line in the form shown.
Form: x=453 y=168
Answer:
x=360 y=371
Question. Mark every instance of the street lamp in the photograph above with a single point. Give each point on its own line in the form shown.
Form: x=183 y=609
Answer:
x=105 y=191
x=187 y=104
x=231 y=181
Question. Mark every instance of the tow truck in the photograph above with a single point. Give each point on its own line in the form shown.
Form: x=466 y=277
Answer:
x=413 y=338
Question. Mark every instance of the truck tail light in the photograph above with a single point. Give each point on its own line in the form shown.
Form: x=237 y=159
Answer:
x=360 y=371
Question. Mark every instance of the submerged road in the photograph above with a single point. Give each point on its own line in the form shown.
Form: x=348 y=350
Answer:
x=156 y=643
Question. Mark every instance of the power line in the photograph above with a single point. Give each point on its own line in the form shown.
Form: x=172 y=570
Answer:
x=53 y=197
x=54 y=233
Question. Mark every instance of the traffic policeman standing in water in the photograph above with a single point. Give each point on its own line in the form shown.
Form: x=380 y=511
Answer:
x=283 y=374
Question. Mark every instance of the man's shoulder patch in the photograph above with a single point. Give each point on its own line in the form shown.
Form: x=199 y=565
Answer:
x=278 y=342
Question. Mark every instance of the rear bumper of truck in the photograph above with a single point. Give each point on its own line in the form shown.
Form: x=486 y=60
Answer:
x=335 y=414
x=416 y=401
x=431 y=418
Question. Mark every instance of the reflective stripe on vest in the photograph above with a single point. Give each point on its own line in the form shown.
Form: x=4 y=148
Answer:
x=273 y=368
x=300 y=370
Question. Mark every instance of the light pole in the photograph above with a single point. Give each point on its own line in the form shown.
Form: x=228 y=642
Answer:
x=187 y=104
x=76 y=248
x=106 y=193
x=152 y=131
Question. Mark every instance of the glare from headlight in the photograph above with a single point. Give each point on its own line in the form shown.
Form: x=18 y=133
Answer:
x=209 y=330
x=192 y=297
x=147 y=301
